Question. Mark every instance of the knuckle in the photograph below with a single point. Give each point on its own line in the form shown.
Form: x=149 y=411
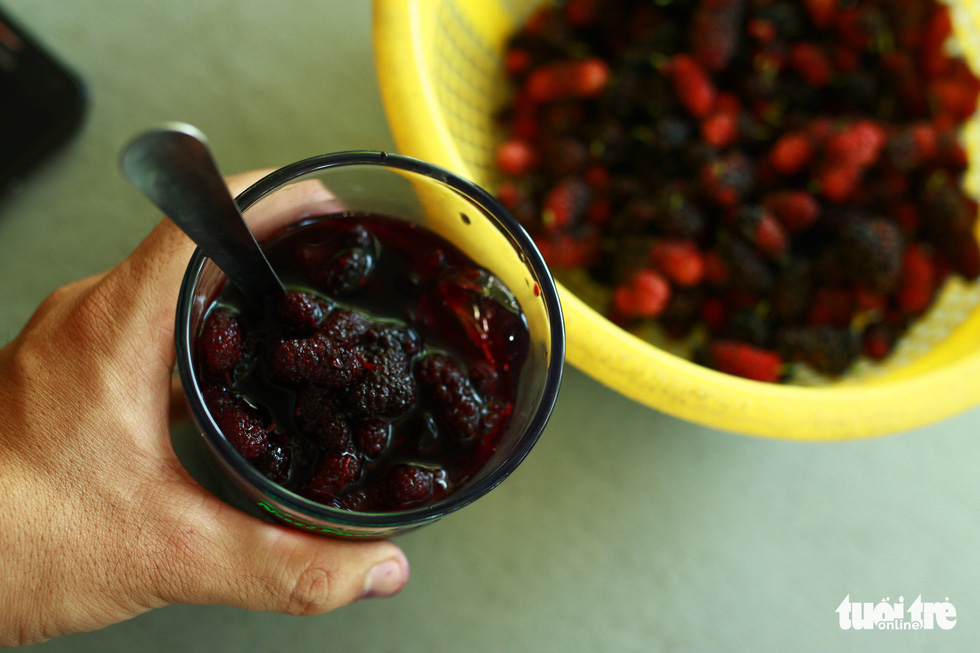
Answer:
x=310 y=594
x=56 y=297
x=66 y=310
x=94 y=320
x=21 y=366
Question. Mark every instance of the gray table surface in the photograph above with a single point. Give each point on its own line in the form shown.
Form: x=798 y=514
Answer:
x=625 y=530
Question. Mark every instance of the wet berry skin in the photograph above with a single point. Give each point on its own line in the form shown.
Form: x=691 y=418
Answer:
x=300 y=311
x=371 y=436
x=321 y=417
x=346 y=271
x=317 y=359
x=386 y=389
x=351 y=389
x=241 y=423
x=409 y=484
x=334 y=473
x=279 y=459
x=452 y=394
x=220 y=343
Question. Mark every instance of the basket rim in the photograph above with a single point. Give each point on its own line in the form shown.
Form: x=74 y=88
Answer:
x=636 y=369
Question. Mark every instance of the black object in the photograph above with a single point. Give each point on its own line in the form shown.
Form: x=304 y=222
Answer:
x=41 y=103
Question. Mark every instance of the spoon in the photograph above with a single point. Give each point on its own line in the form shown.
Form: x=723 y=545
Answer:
x=174 y=168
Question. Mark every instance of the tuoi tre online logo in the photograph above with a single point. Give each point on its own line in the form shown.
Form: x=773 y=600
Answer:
x=920 y=615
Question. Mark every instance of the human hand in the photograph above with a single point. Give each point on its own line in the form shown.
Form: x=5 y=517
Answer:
x=99 y=520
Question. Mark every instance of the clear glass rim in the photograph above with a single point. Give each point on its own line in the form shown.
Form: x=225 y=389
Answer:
x=504 y=221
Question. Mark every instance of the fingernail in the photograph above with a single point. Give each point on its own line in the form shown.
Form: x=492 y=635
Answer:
x=385 y=579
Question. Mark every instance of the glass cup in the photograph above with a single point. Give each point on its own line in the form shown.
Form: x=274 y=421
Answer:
x=431 y=197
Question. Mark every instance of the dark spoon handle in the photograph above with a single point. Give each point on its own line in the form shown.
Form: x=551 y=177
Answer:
x=174 y=168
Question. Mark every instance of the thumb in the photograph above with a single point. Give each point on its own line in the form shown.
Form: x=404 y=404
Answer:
x=237 y=560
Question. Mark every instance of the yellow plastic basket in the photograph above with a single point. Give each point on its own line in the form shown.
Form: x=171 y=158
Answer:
x=440 y=70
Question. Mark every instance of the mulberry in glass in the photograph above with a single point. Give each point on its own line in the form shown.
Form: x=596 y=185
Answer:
x=408 y=267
